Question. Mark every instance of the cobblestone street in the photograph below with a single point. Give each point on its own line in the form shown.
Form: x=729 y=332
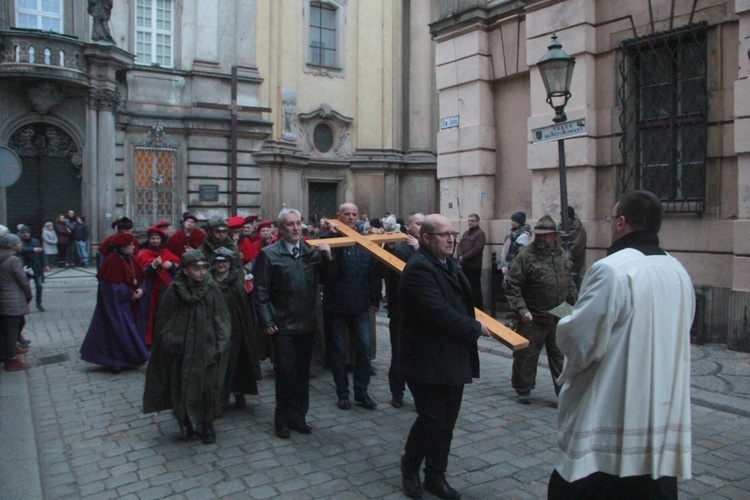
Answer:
x=86 y=437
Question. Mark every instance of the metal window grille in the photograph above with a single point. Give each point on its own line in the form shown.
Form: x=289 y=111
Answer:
x=664 y=102
x=154 y=186
x=322 y=35
x=322 y=200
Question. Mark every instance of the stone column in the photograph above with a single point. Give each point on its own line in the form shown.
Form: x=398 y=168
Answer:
x=91 y=171
x=466 y=153
x=421 y=68
x=738 y=336
x=108 y=101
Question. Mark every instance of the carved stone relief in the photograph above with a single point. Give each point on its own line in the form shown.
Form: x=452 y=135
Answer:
x=44 y=96
x=325 y=133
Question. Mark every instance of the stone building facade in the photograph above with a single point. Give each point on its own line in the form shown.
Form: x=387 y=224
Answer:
x=664 y=88
x=233 y=110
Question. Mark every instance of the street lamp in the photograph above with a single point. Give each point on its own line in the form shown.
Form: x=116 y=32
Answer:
x=556 y=68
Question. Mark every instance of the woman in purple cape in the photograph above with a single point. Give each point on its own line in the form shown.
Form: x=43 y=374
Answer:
x=113 y=339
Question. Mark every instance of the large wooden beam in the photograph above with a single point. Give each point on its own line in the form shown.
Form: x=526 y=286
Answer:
x=499 y=331
x=345 y=241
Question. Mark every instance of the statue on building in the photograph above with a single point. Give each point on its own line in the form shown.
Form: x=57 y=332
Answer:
x=101 y=10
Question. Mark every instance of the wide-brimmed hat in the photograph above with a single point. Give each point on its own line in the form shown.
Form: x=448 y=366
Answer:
x=545 y=225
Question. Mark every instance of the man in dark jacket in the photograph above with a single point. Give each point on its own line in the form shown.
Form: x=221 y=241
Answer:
x=81 y=235
x=286 y=278
x=349 y=298
x=470 y=251
x=35 y=259
x=438 y=351
x=403 y=250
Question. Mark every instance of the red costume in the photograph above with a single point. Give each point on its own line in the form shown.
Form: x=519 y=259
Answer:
x=179 y=240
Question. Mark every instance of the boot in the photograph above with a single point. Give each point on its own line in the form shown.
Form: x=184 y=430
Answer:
x=208 y=435
x=410 y=481
x=436 y=484
x=16 y=364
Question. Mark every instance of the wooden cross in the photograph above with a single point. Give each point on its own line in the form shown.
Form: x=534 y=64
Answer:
x=234 y=109
x=372 y=244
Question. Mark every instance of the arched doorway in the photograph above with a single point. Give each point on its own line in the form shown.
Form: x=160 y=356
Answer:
x=50 y=183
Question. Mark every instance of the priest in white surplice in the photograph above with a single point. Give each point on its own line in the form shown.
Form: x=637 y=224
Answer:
x=624 y=408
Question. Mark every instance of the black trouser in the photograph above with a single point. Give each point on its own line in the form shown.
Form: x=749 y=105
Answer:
x=474 y=275
x=10 y=329
x=292 y=353
x=38 y=282
x=431 y=435
x=395 y=373
x=602 y=485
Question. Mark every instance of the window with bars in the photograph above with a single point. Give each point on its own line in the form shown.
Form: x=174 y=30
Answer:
x=664 y=101
x=154 y=186
x=322 y=35
x=154 y=32
x=40 y=14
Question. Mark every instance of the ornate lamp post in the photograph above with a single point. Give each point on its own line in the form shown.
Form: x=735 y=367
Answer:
x=556 y=69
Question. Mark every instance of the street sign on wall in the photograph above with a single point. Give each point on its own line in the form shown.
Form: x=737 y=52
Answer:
x=450 y=122
x=571 y=128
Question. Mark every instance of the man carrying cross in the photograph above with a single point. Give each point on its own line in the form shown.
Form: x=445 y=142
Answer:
x=350 y=296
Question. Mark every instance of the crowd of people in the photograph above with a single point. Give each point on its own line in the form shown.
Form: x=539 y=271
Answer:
x=203 y=307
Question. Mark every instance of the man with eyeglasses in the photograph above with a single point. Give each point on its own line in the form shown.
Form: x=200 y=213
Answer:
x=539 y=279
x=470 y=251
x=438 y=353
x=624 y=417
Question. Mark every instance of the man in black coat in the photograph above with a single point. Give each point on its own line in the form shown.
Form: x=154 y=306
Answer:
x=287 y=274
x=403 y=250
x=35 y=259
x=438 y=353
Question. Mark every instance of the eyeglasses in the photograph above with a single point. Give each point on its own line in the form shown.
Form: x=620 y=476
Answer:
x=610 y=218
x=447 y=234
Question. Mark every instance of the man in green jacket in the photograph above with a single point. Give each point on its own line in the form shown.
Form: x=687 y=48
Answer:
x=188 y=356
x=539 y=279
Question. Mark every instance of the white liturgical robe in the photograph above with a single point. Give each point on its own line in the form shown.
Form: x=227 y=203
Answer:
x=624 y=408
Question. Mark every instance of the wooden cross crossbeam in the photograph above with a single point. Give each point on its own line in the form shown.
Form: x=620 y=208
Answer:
x=372 y=243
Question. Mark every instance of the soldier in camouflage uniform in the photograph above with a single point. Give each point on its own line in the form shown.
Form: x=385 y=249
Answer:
x=539 y=280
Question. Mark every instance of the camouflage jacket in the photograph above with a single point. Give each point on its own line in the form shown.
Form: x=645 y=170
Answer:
x=539 y=280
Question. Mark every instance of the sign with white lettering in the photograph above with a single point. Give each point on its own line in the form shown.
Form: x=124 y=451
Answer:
x=450 y=122
x=571 y=128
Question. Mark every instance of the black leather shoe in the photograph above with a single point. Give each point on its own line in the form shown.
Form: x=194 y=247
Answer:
x=411 y=483
x=208 y=435
x=283 y=432
x=239 y=401
x=438 y=486
x=344 y=404
x=397 y=401
x=301 y=428
x=366 y=401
